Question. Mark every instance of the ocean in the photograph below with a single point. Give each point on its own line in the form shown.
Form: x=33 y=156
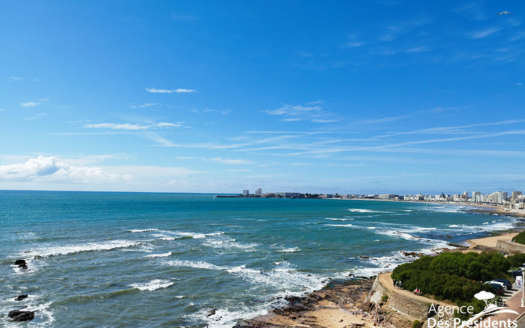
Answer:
x=167 y=260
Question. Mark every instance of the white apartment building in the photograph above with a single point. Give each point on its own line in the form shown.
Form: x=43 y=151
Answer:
x=246 y=192
x=258 y=191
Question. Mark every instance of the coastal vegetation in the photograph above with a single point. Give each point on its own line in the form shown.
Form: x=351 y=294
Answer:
x=520 y=238
x=454 y=276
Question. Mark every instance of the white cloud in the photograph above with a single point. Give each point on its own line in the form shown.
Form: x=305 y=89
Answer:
x=181 y=157
x=36 y=116
x=417 y=49
x=323 y=121
x=153 y=90
x=310 y=111
x=29 y=104
x=230 y=161
x=45 y=99
x=353 y=44
x=240 y=170
x=292 y=119
x=14 y=78
x=144 y=105
x=226 y=112
x=169 y=125
x=518 y=36
x=293 y=110
x=49 y=169
x=133 y=127
x=484 y=33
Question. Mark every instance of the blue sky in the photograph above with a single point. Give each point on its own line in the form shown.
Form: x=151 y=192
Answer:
x=220 y=96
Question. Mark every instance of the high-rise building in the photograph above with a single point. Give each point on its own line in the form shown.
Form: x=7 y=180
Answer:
x=465 y=193
x=246 y=192
x=476 y=197
x=515 y=195
x=258 y=191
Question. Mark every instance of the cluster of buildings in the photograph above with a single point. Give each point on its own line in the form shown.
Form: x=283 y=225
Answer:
x=516 y=199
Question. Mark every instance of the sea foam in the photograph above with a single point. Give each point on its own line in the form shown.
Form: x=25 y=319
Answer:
x=89 y=247
x=159 y=255
x=153 y=285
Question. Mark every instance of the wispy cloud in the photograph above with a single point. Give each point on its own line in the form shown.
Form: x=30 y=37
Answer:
x=394 y=31
x=29 y=104
x=240 y=170
x=50 y=169
x=153 y=90
x=518 y=36
x=36 y=116
x=313 y=111
x=293 y=110
x=324 y=121
x=128 y=126
x=473 y=11
x=229 y=161
x=181 y=157
x=450 y=129
x=144 y=105
x=385 y=119
x=15 y=79
x=417 y=49
x=484 y=33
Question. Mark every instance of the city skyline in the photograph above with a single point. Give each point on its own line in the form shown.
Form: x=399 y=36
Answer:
x=378 y=97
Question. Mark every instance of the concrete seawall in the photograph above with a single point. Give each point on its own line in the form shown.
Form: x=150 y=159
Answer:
x=509 y=247
x=400 y=303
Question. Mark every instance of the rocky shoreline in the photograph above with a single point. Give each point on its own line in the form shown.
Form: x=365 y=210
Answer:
x=340 y=304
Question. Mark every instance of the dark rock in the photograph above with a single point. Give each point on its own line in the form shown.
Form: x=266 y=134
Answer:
x=17 y=315
x=23 y=267
x=362 y=257
x=21 y=297
x=20 y=262
x=212 y=312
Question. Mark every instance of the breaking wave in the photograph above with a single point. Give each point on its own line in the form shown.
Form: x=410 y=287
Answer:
x=153 y=285
x=89 y=247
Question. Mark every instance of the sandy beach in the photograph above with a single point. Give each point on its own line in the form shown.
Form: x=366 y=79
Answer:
x=491 y=241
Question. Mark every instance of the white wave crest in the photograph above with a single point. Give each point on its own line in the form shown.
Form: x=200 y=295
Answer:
x=153 y=285
x=195 y=264
x=359 y=210
x=159 y=255
x=340 y=225
x=289 y=250
x=143 y=230
x=89 y=247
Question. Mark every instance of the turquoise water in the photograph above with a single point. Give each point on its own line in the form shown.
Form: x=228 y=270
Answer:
x=165 y=260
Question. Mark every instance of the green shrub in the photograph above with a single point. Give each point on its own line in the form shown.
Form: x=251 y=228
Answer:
x=416 y=324
x=516 y=261
x=453 y=276
x=384 y=298
x=520 y=238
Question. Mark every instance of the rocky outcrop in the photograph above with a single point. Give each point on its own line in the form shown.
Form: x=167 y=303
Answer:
x=20 y=262
x=344 y=294
x=17 y=315
x=21 y=297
